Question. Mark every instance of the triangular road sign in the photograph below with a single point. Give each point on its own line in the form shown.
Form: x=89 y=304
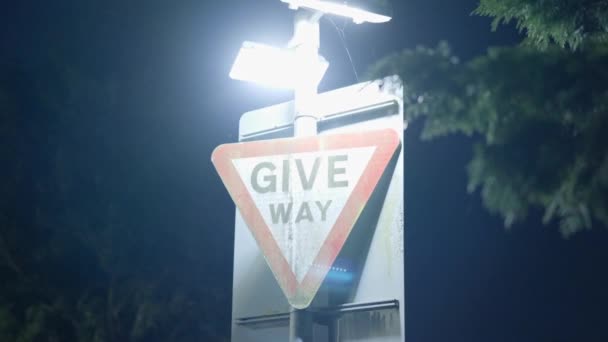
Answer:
x=301 y=197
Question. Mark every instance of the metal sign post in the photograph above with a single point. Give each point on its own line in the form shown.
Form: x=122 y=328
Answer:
x=360 y=267
x=303 y=252
x=306 y=40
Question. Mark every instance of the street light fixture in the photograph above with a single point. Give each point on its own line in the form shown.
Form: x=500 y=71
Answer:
x=275 y=67
x=299 y=63
x=349 y=9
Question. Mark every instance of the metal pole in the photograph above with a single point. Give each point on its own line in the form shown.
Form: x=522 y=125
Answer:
x=334 y=329
x=306 y=42
x=300 y=325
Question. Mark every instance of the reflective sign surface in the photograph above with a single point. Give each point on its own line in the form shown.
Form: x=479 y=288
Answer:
x=300 y=198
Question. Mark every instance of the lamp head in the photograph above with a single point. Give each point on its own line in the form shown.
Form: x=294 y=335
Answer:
x=360 y=11
x=276 y=67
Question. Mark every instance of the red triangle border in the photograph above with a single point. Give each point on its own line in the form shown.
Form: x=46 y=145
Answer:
x=386 y=142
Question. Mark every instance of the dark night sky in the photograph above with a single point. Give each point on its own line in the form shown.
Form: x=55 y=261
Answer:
x=467 y=278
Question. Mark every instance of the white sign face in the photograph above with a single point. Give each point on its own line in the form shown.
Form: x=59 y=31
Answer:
x=300 y=196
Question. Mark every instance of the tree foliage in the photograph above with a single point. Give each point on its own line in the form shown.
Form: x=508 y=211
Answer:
x=85 y=253
x=565 y=22
x=539 y=116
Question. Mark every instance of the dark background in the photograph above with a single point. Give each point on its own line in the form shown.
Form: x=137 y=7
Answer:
x=167 y=62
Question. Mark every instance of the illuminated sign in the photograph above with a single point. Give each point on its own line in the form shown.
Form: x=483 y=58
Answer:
x=300 y=198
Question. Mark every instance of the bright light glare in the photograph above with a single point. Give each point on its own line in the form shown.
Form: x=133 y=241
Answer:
x=276 y=67
x=358 y=15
